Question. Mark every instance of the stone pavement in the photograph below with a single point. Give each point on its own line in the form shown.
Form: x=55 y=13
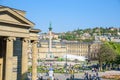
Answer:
x=77 y=76
x=65 y=76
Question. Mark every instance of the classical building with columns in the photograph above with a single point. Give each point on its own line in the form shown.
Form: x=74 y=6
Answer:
x=16 y=32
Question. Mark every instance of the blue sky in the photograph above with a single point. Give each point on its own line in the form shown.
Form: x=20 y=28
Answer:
x=68 y=15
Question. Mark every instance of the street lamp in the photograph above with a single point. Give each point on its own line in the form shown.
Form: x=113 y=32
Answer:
x=66 y=60
x=89 y=52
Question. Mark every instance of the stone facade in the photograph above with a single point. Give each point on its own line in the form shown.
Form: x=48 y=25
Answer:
x=59 y=49
x=15 y=33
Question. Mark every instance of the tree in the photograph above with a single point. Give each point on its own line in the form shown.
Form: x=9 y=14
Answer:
x=106 y=54
x=116 y=47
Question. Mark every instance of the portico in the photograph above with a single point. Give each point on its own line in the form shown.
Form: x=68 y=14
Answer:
x=15 y=33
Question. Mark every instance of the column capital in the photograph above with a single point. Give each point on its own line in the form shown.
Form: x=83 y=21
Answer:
x=10 y=38
x=35 y=41
x=25 y=39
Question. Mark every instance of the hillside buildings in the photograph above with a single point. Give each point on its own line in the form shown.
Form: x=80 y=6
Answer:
x=86 y=49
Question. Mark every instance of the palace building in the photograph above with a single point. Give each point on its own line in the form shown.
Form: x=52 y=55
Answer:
x=61 y=48
x=16 y=32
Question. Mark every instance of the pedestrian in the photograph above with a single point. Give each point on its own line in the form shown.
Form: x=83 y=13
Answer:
x=95 y=70
x=72 y=77
x=57 y=79
x=41 y=78
x=53 y=77
x=67 y=79
x=92 y=69
x=72 y=74
x=86 y=76
x=47 y=74
x=94 y=77
x=97 y=76
x=90 y=77
x=48 y=78
x=83 y=68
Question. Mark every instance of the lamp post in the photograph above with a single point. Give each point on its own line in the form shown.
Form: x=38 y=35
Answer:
x=66 y=60
x=89 y=52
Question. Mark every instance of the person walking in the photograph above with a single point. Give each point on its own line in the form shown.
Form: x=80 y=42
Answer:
x=97 y=76
x=90 y=77
x=86 y=76
x=72 y=74
x=41 y=78
x=94 y=77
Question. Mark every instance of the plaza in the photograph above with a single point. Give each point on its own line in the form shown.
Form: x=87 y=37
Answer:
x=61 y=72
x=24 y=56
x=77 y=76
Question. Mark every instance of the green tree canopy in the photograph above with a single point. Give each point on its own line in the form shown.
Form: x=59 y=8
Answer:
x=115 y=46
x=106 y=53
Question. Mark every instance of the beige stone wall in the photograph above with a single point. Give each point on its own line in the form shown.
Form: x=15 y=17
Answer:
x=79 y=49
x=33 y=36
x=13 y=31
x=58 y=50
x=94 y=49
x=16 y=30
x=4 y=33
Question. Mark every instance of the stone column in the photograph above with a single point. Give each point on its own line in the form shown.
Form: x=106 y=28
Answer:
x=24 y=59
x=34 y=60
x=9 y=55
x=50 y=40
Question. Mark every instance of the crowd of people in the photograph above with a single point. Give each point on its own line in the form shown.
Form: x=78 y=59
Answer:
x=92 y=76
x=89 y=76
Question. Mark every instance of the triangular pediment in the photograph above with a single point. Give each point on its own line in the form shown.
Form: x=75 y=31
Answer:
x=8 y=18
x=7 y=15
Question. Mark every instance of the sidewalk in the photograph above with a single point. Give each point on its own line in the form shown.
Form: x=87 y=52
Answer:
x=77 y=76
